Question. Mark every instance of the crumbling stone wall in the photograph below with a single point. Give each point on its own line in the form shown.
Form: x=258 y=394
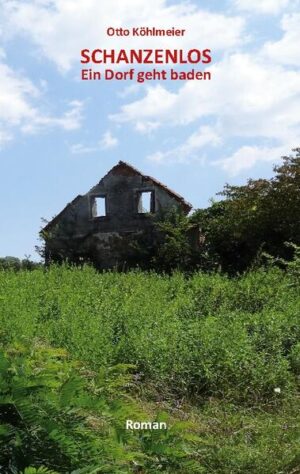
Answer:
x=79 y=233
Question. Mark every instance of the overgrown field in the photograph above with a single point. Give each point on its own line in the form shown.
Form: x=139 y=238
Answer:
x=223 y=354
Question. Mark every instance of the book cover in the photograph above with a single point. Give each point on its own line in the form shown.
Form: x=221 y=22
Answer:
x=150 y=236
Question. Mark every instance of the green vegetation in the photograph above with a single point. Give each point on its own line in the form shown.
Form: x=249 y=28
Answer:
x=14 y=263
x=59 y=415
x=215 y=356
x=235 y=232
x=220 y=353
x=258 y=217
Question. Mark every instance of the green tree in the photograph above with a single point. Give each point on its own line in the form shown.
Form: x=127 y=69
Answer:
x=259 y=216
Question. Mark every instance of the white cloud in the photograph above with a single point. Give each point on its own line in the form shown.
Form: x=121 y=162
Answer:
x=108 y=141
x=61 y=28
x=287 y=49
x=15 y=95
x=70 y=120
x=249 y=96
x=146 y=127
x=5 y=137
x=81 y=149
x=139 y=112
x=19 y=109
x=247 y=157
x=189 y=150
x=262 y=6
x=129 y=90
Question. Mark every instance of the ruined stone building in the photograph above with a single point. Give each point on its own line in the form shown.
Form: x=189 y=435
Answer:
x=102 y=224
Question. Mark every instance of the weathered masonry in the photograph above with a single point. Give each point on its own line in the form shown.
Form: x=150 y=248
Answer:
x=101 y=225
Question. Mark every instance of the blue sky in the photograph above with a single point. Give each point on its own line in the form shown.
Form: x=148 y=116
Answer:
x=60 y=135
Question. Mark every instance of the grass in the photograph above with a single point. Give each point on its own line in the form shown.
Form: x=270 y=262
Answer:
x=222 y=353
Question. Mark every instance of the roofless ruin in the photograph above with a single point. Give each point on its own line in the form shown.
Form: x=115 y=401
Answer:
x=102 y=225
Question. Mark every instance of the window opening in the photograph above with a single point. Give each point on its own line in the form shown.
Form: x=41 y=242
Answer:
x=99 y=207
x=145 y=202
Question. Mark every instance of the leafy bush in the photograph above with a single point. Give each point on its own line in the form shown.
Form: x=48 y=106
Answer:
x=257 y=217
x=57 y=415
